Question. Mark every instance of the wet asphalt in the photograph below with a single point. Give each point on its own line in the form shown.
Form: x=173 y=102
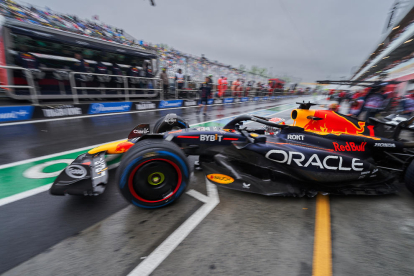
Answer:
x=245 y=234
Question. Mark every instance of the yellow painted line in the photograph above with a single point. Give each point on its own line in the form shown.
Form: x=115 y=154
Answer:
x=322 y=247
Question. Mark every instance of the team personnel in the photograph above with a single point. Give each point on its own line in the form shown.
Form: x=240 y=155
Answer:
x=205 y=94
x=179 y=80
x=164 y=78
x=220 y=84
x=407 y=104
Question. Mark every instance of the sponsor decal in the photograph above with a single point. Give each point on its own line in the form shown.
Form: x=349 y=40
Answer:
x=272 y=98
x=15 y=113
x=76 y=171
x=228 y=100
x=210 y=101
x=295 y=137
x=141 y=131
x=150 y=154
x=59 y=111
x=211 y=137
x=170 y=120
x=100 y=168
x=385 y=145
x=244 y=99
x=246 y=185
x=255 y=99
x=349 y=146
x=265 y=98
x=298 y=158
x=190 y=103
x=220 y=178
x=218 y=101
x=138 y=131
x=98 y=108
x=170 y=103
x=145 y=105
x=208 y=128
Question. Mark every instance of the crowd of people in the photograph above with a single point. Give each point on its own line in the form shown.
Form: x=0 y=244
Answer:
x=373 y=101
x=171 y=59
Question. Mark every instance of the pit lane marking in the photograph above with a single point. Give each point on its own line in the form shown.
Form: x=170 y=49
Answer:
x=150 y=263
x=25 y=194
x=322 y=247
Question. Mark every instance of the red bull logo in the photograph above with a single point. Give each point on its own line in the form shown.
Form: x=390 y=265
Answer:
x=349 y=146
x=325 y=122
x=123 y=147
x=333 y=123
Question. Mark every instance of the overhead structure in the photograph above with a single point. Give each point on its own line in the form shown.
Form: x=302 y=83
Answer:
x=395 y=47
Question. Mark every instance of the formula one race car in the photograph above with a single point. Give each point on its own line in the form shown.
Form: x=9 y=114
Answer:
x=322 y=151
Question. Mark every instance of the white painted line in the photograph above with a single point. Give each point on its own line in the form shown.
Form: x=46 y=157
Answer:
x=25 y=194
x=198 y=195
x=147 y=266
x=99 y=115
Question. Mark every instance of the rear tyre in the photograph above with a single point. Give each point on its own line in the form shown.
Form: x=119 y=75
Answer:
x=409 y=177
x=169 y=122
x=153 y=173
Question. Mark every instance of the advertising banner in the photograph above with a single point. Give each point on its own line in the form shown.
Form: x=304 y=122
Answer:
x=53 y=111
x=15 y=113
x=145 y=105
x=170 y=104
x=99 y=108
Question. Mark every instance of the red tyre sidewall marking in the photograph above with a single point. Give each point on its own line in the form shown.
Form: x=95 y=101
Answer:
x=131 y=182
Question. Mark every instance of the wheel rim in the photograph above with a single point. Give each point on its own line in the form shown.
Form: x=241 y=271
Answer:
x=155 y=180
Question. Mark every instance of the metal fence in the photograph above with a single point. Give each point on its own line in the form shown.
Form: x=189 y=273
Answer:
x=127 y=87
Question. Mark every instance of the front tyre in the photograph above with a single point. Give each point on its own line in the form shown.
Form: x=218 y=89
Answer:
x=153 y=173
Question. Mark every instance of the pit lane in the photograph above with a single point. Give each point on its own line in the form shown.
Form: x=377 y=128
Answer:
x=244 y=234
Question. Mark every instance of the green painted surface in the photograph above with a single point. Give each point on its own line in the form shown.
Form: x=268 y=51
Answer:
x=13 y=181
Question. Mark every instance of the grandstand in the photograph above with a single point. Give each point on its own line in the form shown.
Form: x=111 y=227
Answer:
x=393 y=56
x=194 y=66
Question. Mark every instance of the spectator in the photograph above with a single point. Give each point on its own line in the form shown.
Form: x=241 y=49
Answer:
x=165 y=82
x=81 y=66
x=26 y=59
x=179 y=80
x=133 y=71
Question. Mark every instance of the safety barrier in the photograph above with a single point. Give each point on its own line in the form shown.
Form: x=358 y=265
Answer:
x=133 y=80
x=30 y=81
x=189 y=91
x=151 y=84
x=127 y=87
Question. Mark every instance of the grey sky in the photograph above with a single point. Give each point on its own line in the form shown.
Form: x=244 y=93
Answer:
x=327 y=37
